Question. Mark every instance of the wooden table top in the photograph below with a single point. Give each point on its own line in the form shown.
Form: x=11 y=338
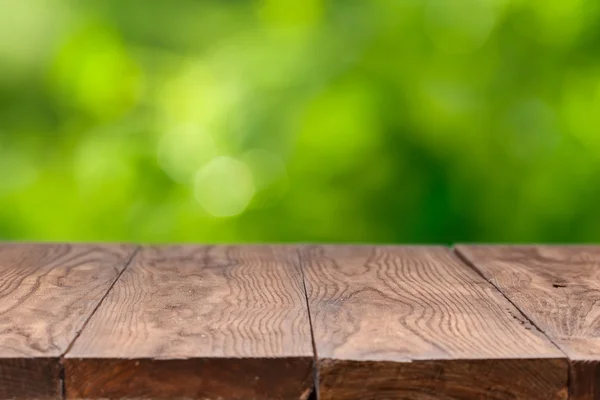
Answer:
x=279 y=322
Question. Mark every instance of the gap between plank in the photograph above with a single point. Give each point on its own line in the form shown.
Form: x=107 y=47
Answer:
x=87 y=320
x=472 y=265
x=312 y=332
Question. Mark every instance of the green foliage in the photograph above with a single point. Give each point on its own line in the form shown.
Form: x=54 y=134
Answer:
x=276 y=120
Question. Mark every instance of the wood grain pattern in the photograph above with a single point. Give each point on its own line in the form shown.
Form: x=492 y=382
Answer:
x=47 y=292
x=30 y=378
x=204 y=322
x=414 y=323
x=558 y=288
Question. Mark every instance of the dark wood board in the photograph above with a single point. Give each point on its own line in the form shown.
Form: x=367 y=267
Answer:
x=199 y=322
x=558 y=289
x=415 y=323
x=47 y=292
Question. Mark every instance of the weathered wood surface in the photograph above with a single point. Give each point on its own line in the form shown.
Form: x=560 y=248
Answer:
x=415 y=323
x=47 y=292
x=231 y=322
x=203 y=322
x=558 y=288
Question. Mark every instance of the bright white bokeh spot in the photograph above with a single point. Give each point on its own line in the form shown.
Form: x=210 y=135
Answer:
x=182 y=151
x=224 y=187
x=460 y=26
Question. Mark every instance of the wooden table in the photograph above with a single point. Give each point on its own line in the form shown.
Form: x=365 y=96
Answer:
x=111 y=321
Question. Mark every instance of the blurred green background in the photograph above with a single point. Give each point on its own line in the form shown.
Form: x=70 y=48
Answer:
x=278 y=120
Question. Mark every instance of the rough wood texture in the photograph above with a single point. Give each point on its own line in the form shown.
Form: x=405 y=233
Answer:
x=47 y=292
x=414 y=323
x=558 y=288
x=213 y=322
x=30 y=378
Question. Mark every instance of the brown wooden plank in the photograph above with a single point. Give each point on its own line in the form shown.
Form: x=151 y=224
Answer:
x=558 y=289
x=47 y=292
x=203 y=322
x=415 y=323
